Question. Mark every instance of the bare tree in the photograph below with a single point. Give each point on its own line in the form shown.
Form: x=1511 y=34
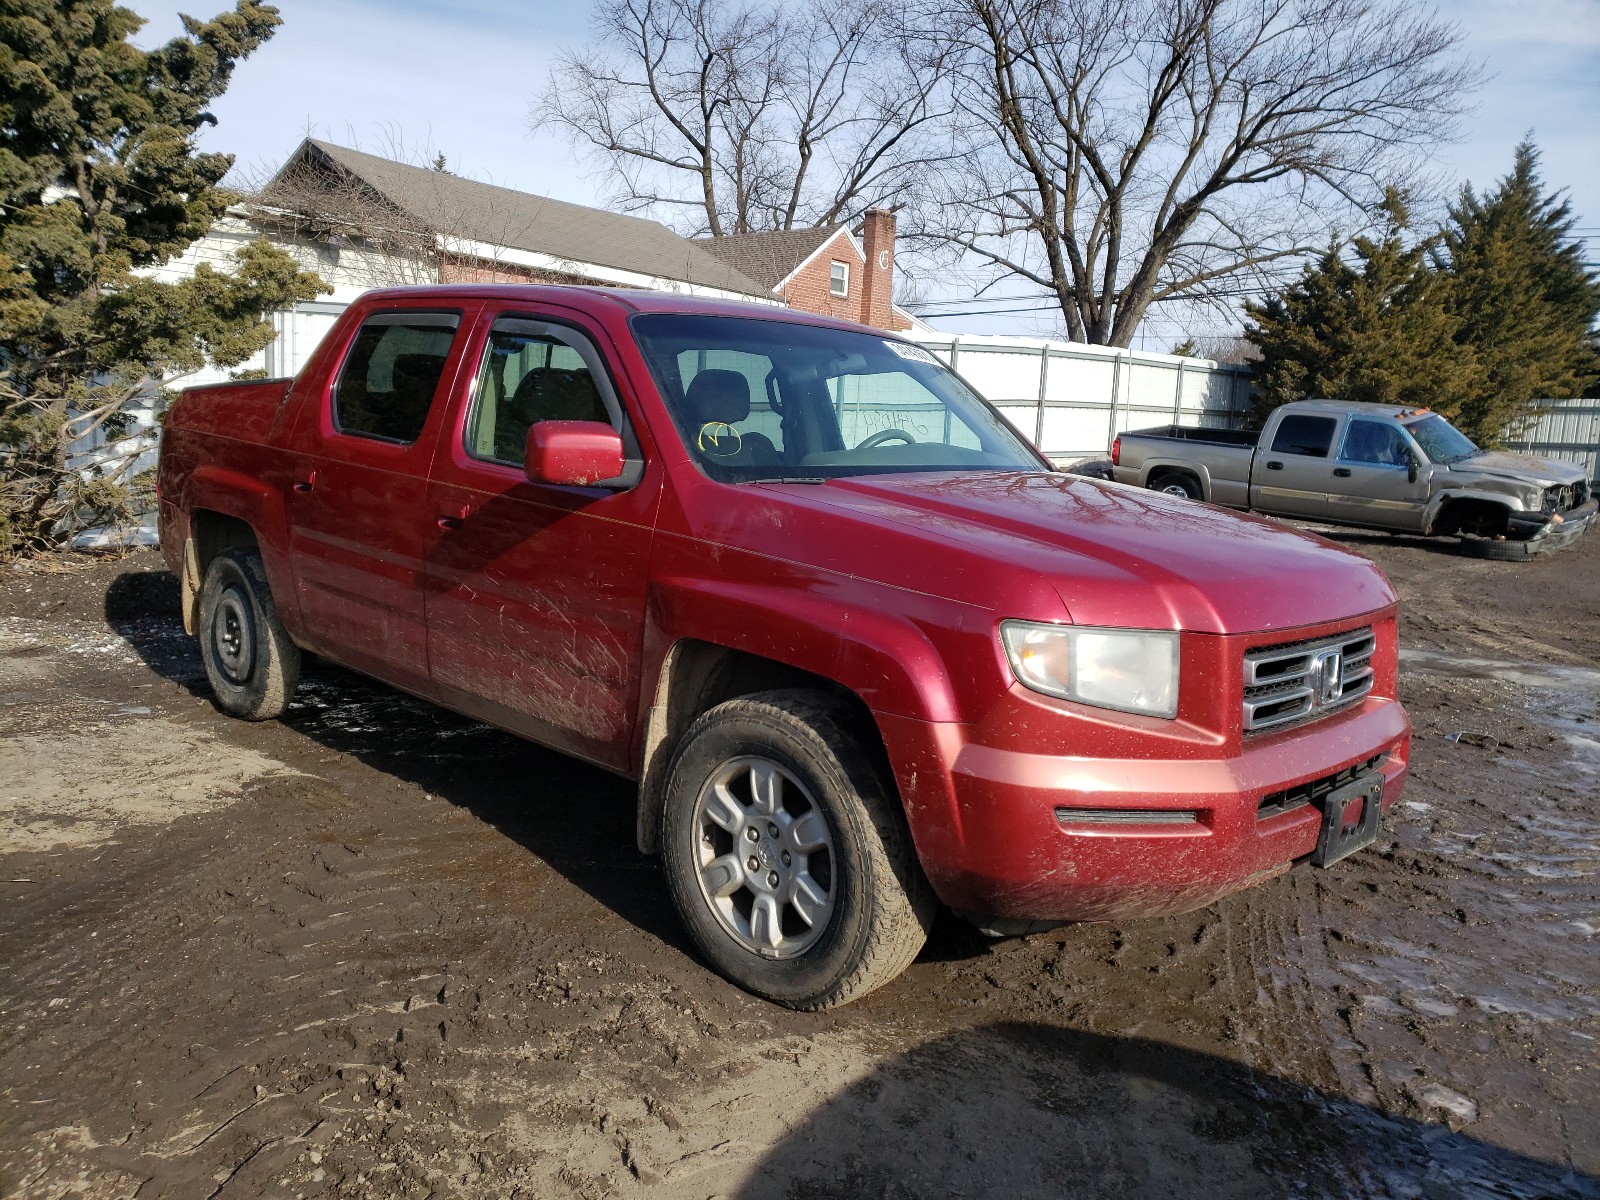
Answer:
x=1125 y=153
x=727 y=116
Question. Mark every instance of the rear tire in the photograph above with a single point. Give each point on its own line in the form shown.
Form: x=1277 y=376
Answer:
x=1173 y=484
x=787 y=854
x=252 y=663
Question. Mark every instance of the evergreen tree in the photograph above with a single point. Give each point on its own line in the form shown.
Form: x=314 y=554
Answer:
x=1524 y=301
x=1371 y=328
x=100 y=177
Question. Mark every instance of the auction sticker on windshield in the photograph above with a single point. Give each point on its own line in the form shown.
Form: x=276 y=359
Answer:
x=913 y=353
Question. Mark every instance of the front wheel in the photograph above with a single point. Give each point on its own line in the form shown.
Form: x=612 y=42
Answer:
x=787 y=856
x=250 y=660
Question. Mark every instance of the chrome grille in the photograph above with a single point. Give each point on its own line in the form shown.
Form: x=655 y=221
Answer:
x=1301 y=681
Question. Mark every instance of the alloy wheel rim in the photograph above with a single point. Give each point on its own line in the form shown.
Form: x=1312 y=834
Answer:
x=764 y=857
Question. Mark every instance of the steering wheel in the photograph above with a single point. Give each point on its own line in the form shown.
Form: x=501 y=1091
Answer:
x=886 y=435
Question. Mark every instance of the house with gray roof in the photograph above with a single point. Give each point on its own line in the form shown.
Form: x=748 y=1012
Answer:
x=440 y=227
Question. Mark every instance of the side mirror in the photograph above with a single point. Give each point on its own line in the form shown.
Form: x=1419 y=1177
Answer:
x=1412 y=467
x=572 y=453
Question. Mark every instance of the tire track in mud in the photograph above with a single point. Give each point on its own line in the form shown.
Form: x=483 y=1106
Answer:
x=243 y=942
x=431 y=964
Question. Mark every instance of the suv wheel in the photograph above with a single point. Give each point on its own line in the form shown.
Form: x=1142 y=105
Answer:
x=787 y=857
x=250 y=660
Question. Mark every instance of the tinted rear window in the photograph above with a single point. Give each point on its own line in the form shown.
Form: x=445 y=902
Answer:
x=387 y=384
x=1310 y=436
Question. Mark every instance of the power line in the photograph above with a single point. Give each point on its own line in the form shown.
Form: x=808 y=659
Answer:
x=974 y=300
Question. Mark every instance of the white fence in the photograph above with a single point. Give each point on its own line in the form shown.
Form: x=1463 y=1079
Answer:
x=1568 y=430
x=1072 y=399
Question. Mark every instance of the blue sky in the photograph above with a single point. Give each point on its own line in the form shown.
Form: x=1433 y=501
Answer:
x=458 y=78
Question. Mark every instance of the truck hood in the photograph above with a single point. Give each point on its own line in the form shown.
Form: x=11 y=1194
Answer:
x=1118 y=555
x=1524 y=468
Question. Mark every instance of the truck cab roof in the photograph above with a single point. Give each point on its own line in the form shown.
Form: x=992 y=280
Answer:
x=591 y=299
x=1398 y=412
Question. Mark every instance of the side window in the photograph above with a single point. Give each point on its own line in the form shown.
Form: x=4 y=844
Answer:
x=389 y=377
x=531 y=372
x=1310 y=436
x=1374 y=442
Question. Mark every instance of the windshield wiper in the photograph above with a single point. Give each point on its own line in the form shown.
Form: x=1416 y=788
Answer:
x=794 y=479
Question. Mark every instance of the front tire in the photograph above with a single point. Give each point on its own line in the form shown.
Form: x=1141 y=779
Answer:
x=1497 y=549
x=252 y=663
x=787 y=855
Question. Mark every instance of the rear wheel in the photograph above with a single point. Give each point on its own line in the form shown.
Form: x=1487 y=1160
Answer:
x=1172 y=484
x=787 y=856
x=252 y=663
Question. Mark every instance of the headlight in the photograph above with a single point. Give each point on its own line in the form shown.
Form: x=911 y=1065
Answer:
x=1130 y=670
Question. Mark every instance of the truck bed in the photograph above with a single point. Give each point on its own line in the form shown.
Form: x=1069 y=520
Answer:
x=1211 y=464
x=1190 y=433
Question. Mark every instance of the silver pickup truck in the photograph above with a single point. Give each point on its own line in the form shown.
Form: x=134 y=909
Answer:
x=1400 y=469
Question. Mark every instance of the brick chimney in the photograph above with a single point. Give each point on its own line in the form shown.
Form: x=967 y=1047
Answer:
x=877 y=290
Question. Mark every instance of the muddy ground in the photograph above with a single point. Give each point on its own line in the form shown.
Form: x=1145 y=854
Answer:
x=375 y=950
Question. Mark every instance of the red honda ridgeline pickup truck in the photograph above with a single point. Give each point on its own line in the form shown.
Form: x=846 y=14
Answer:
x=863 y=650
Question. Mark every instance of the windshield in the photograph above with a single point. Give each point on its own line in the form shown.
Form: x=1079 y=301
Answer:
x=757 y=400
x=1441 y=441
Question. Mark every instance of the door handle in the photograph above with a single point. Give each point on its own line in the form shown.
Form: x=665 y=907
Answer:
x=305 y=485
x=453 y=516
x=1274 y=466
x=1342 y=472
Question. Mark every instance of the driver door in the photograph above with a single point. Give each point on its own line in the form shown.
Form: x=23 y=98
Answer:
x=1372 y=480
x=536 y=592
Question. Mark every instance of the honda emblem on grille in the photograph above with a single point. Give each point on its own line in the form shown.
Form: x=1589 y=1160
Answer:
x=1327 y=676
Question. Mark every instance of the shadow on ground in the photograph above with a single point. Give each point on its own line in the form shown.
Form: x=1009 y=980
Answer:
x=575 y=817
x=1023 y=1109
x=1362 y=540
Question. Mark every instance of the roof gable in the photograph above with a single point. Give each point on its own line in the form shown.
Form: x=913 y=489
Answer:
x=470 y=211
x=771 y=259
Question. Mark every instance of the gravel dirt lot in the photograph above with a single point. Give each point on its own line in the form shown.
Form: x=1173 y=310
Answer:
x=375 y=949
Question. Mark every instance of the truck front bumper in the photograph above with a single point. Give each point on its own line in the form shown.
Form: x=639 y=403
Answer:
x=1542 y=532
x=1042 y=838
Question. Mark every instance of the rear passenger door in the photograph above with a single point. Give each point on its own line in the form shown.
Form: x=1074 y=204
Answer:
x=536 y=592
x=1291 y=475
x=359 y=522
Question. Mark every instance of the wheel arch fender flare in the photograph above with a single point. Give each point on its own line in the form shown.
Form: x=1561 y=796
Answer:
x=1442 y=500
x=231 y=493
x=1172 y=466
x=884 y=662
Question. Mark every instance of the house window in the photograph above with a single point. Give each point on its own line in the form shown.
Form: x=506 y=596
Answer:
x=839 y=279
